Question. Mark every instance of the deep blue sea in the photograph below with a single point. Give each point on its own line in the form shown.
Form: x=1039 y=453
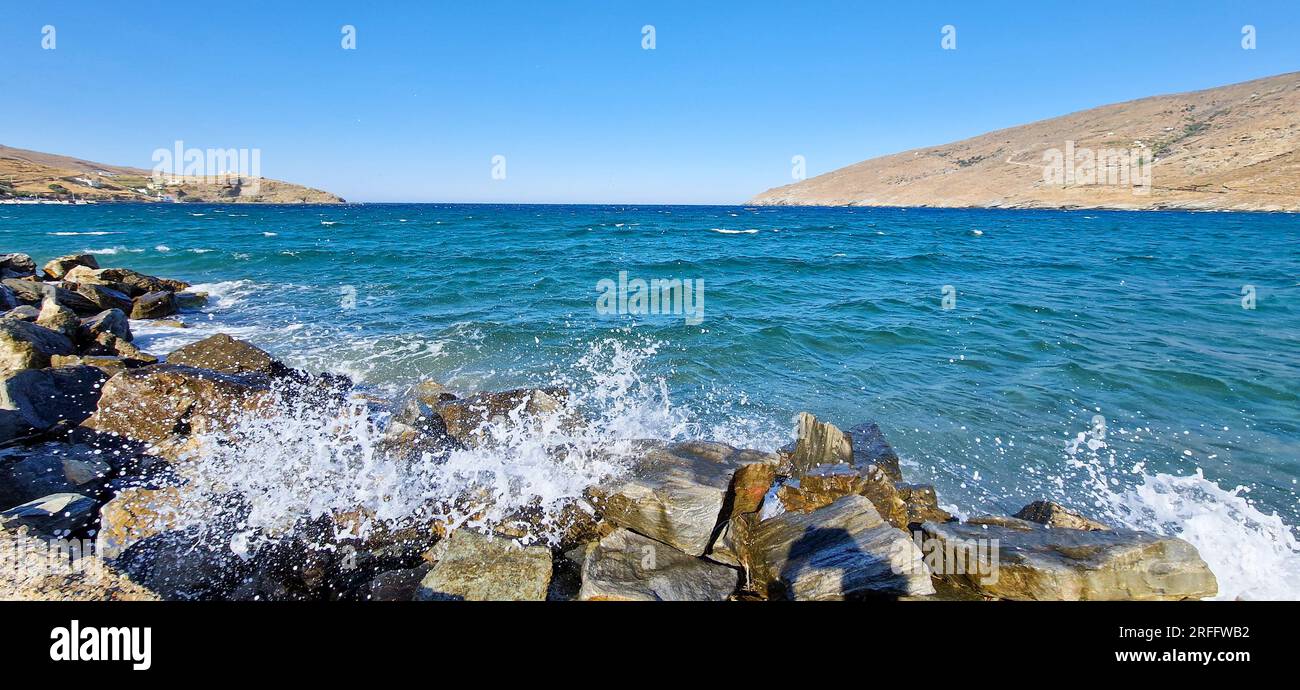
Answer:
x=1104 y=359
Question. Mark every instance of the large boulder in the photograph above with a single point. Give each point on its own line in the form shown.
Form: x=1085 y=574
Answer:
x=55 y=269
x=1057 y=515
x=34 y=292
x=8 y=300
x=156 y=404
x=43 y=571
x=476 y=567
x=871 y=448
x=26 y=345
x=49 y=468
x=125 y=280
x=111 y=321
x=45 y=397
x=104 y=297
x=625 y=566
x=842 y=551
x=468 y=419
x=56 y=515
x=58 y=318
x=397 y=585
x=1035 y=562
x=16 y=266
x=824 y=484
x=227 y=355
x=676 y=493
x=154 y=305
x=922 y=504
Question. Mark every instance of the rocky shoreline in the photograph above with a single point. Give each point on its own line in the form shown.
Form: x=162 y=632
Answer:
x=96 y=437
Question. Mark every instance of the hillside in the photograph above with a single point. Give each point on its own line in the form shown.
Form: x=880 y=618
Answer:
x=26 y=173
x=1233 y=147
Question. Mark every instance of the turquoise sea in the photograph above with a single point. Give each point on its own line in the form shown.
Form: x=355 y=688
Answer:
x=1107 y=360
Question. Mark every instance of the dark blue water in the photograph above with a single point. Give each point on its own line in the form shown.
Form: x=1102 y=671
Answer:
x=1126 y=327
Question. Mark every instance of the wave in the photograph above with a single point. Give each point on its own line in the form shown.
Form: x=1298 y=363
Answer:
x=726 y=231
x=72 y=233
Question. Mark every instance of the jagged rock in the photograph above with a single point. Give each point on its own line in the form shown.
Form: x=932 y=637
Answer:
x=58 y=318
x=33 y=292
x=45 y=397
x=922 y=504
x=16 y=266
x=124 y=280
x=154 y=305
x=109 y=345
x=397 y=585
x=227 y=355
x=56 y=515
x=467 y=419
x=135 y=514
x=626 y=566
x=675 y=493
x=414 y=430
x=26 y=345
x=55 y=269
x=750 y=484
x=818 y=443
x=842 y=551
x=191 y=300
x=824 y=484
x=1034 y=562
x=13 y=426
x=50 y=468
x=111 y=321
x=158 y=403
x=1057 y=515
x=871 y=448
x=475 y=567
x=104 y=297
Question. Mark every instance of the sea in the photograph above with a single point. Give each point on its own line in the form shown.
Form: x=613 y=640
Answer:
x=1140 y=367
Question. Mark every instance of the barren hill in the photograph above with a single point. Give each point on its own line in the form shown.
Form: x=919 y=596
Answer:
x=26 y=173
x=1233 y=147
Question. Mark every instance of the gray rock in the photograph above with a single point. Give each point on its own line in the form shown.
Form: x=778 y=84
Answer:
x=922 y=504
x=135 y=514
x=56 y=515
x=45 y=397
x=58 y=318
x=398 y=585
x=154 y=305
x=16 y=266
x=7 y=299
x=26 y=345
x=104 y=297
x=675 y=493
x=23 y=312
x=843 y=551
x=1035 y=562
x=111 y=321
x=191 y=300
x=50 y=468
x=13 y=426
x=818 y=443
x=625 y=566
x=55 y=269
x=871 y=448
x=33 y=292
x=475 y=567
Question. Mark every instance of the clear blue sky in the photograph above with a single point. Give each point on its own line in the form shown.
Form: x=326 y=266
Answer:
x=566 y=93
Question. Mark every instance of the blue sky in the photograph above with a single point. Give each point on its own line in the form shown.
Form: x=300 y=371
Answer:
x=565 y=91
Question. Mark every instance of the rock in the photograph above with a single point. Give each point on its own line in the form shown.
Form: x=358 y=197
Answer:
x=414 y=430
x=626 y=566
x=227 y=355
x=179 y=565
x=58 y=318
x=30 y=577
x=124 y=280
x=135 y=514
x=818 y=443
x=191 y=300
x=50 y=468
x=16 y=266
x=468 y=420
x=25 y=312
x=922 y=504
x=749 y=485
x=871 y=448
x=842 y=551
x=33 y=292
x=111 y=321
x=171 y=323
x=55 y=269
x=474 y=567
x=154 y=305
x=397 y=585
x=109 y=345
x=26 y=345
x=104 y=297
x=675 y=493
x=56 y=515
x=1035 y=562
x=8 y=300
x=158 y=403
x=45 y=397
x=13 y=426
x=110 y=365
x=1057 y=515
x=827 y=483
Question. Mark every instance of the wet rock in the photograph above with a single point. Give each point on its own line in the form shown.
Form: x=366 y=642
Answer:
x=922 y=504
x=33 y=292
x=104 y=297
x=47 y=396
x=871 y=448
x=750 y=484
x=626 y=566
x=26 y=345
x=1057 y=515
x=154 y=305
x=109 y=345
x=825 y=484
x=135 y=514
x=397 y=585
x=125 y=280
x=24 y=312
x=467 y=420
x=13 y=426
x=50 y=468
x=58 y=318
x=1035 y=562
x=56 y=515
x=7 y=299
x=191 y=300
x=842 y=551
x=414 y=430
x=55 y=269
x=675 y=493
x=31 y=577
x=158 y=403
x=227 y=355
x=180 y=565
x=16 y=266
x=475 y=567
x=111 y=321
x=818 y=443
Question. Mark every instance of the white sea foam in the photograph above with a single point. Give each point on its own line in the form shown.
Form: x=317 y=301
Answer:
x=71 y=233
x=727 y=231
x=112 y=250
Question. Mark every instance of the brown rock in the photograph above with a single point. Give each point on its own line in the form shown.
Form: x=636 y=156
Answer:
x=26 y=345
x=476 y=567
x=467 y=420
x=1057 y=515
x=136 y=514
x=16 y=266
x=104 y=297
x=154 y=305
x=818 y=443
x=227 y=355
x=922 y=504
x=55 y=269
